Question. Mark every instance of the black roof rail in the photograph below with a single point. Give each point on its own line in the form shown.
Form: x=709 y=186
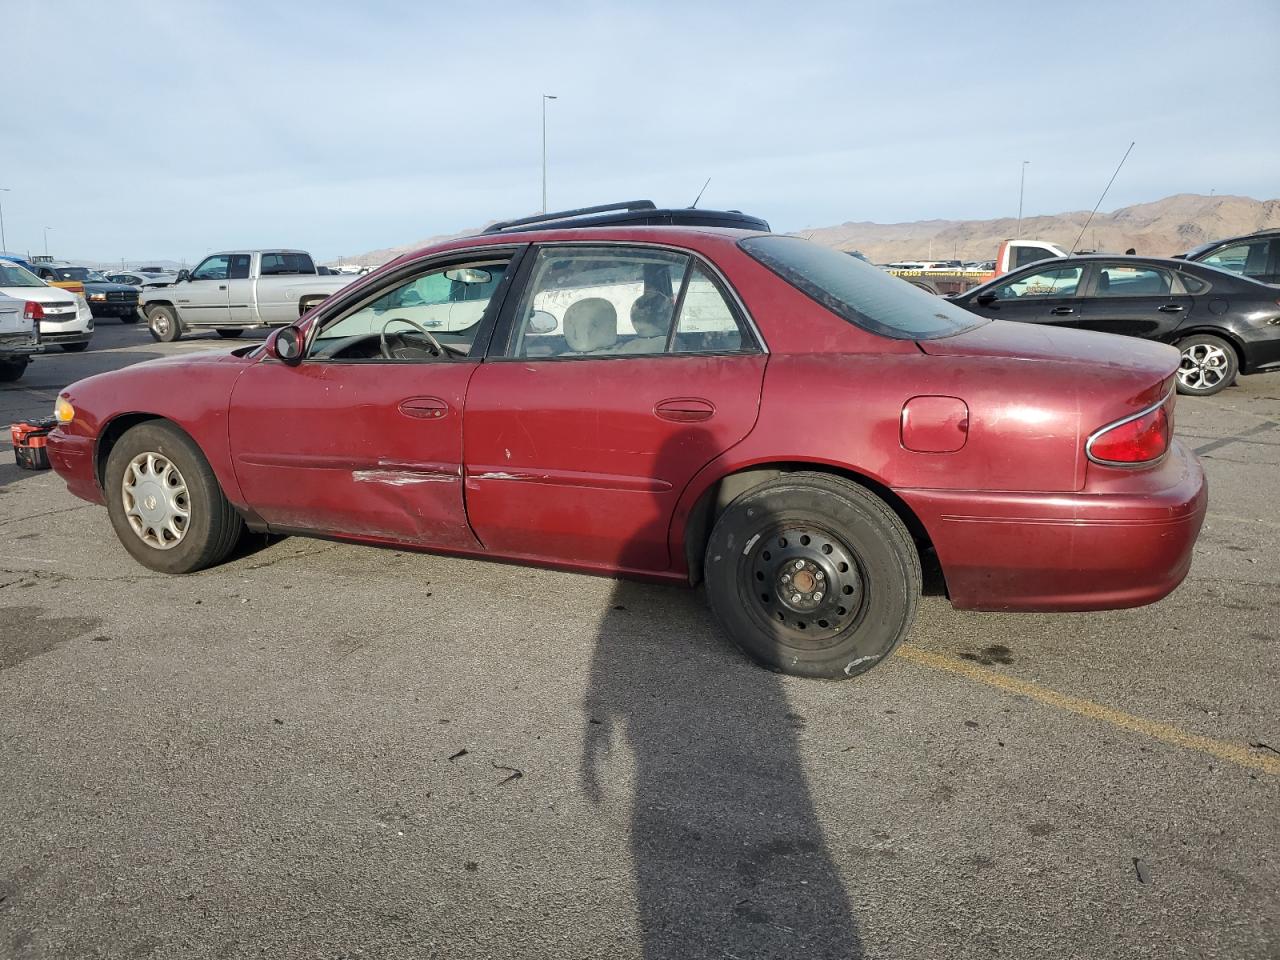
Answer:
x=502 y=225
x=634 y=213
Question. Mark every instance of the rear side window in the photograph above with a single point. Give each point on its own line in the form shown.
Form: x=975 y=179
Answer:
x=279 y=262
x=239 y=267
x=858 y=292
x=1121 y=280
x=1025 y=255
x=1192 y=284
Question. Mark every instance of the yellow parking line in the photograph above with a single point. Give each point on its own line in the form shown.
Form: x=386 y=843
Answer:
x=1094 y=711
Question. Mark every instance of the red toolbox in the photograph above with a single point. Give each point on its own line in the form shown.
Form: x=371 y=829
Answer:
x=29 y=439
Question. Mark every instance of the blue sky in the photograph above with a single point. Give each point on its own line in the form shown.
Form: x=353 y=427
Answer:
x=160 y=130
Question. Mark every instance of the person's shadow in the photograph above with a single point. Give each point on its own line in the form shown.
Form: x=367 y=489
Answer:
x=729 y=857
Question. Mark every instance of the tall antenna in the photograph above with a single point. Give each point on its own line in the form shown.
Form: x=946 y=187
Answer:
x=1076 y=245
x=694 y=205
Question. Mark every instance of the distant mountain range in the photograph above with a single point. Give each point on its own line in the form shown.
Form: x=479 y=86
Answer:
x=1158 y=229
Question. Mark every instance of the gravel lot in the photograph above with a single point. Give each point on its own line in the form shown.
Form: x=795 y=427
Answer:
x=322 y=750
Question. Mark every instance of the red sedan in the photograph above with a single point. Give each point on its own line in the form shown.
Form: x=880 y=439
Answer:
x=690 y=404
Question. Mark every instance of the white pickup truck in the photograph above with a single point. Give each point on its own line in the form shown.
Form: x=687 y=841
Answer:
x=19 y=337
x=235 y=290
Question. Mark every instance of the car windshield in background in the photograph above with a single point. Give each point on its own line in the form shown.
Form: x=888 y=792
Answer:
x=858 y=292
x=82 y=274
x=12 y=275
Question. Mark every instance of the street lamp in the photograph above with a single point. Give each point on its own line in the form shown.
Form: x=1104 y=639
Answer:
x=1021 y=187
x=4 y=244
x=545 y=98
x=46 y=240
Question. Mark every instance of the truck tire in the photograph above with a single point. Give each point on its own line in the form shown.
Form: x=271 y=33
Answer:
x=229 y=333
x=11 y=368
x=164 y=324
x=75 y=347
x=307 y=303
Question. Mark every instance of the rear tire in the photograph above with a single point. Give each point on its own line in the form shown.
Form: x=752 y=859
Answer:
x=813 y=575
x=129 y=317
x=11 y=369
x=211 y=527
x=164 y=324
x=229 y=332
x=75 y=347
x=1209 y=365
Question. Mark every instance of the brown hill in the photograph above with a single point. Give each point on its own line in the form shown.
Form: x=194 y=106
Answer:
x=1162 y=228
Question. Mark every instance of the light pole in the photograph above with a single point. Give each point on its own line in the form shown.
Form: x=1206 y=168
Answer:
x=545 y=98
x=46 y=240
x=4 y=244
x=1022 y=184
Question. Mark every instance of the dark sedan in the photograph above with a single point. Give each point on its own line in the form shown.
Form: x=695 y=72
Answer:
x=1223 y=323
x=1256 y=256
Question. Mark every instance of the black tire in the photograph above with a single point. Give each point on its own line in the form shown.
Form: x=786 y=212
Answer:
x=129 y=317
x=213 y=526
x=848 y=620
x=229 y=333
x=1209 y=365
x=164 y=324
x=75 y=347
x=11 y=369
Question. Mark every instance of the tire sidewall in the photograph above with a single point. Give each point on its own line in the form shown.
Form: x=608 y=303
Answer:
x=166 y=315
x=886 y=559
x=203 y=493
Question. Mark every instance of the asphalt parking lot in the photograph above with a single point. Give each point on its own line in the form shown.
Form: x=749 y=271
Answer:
x=323 y=750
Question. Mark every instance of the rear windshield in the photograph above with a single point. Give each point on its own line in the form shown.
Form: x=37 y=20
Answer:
x=860 y=293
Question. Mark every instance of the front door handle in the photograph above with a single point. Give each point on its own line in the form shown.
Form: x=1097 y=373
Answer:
x=424 y=408
x=1062 y=311
x=1170 y=308
x=222 y=286
x=684 y=409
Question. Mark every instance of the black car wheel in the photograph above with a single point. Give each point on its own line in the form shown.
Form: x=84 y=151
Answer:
x=165 y=502
x=11 y=368
x=75 y=347
x=229 y=333
x=813 y=575
x=1209 y=365
x=164 y=324
x=130 y=317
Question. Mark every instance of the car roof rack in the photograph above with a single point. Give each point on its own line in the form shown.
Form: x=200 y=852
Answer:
x=636 y=213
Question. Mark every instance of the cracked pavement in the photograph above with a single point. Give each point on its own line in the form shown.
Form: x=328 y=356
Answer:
x=266 y=758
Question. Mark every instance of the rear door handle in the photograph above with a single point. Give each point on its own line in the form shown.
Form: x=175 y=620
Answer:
x=1062 y=311
x=1170 y=308
x=424 y=408
x=684 y=409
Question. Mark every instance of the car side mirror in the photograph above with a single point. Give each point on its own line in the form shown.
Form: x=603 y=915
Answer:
x=183 y=275
x=985 y=299
x=286 y=345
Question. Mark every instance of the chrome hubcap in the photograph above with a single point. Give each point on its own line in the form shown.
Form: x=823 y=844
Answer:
x=806 y=580
x=161 y=324
x=1203 y=366
x=156 y=501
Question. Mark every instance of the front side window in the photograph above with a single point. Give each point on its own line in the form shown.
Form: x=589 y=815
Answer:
x=858 y=292
x=1124 y=280
x=407 y=320
x=1248 y=259
x=1060 y=282
x=213 y=268
x=618 y=301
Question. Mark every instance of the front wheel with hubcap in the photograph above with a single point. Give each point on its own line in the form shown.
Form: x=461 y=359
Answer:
x=165 y=502
x=813 y=575
x=1208 y=366
x=164 y=324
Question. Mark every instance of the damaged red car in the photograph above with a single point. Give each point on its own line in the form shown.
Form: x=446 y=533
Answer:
x=673 y=395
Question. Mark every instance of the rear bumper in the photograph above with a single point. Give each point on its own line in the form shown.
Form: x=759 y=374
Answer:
x=72 y=459
x=1123 y=541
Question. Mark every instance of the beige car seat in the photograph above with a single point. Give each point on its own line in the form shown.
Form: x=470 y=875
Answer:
x=651 y=317
x=591 y=326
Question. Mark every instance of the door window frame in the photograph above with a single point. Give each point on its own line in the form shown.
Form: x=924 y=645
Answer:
x=500 y=342
x=348 y=300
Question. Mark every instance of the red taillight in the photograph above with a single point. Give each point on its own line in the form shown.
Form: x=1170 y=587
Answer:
x=1139 y=439
x=33 y=311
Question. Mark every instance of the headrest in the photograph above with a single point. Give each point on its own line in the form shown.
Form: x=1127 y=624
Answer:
x=651 y=314
x=591 y=325
x=1104 y=281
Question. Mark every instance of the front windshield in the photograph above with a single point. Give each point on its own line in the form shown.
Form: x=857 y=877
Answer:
x=12 y=275
x=858 y=292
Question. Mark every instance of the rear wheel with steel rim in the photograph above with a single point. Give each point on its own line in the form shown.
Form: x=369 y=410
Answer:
x=1208 y=366
x=164 y=324
x=813 y=575
x=165 y=502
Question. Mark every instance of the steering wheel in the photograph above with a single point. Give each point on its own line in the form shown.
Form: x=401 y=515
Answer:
x=435 y=344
